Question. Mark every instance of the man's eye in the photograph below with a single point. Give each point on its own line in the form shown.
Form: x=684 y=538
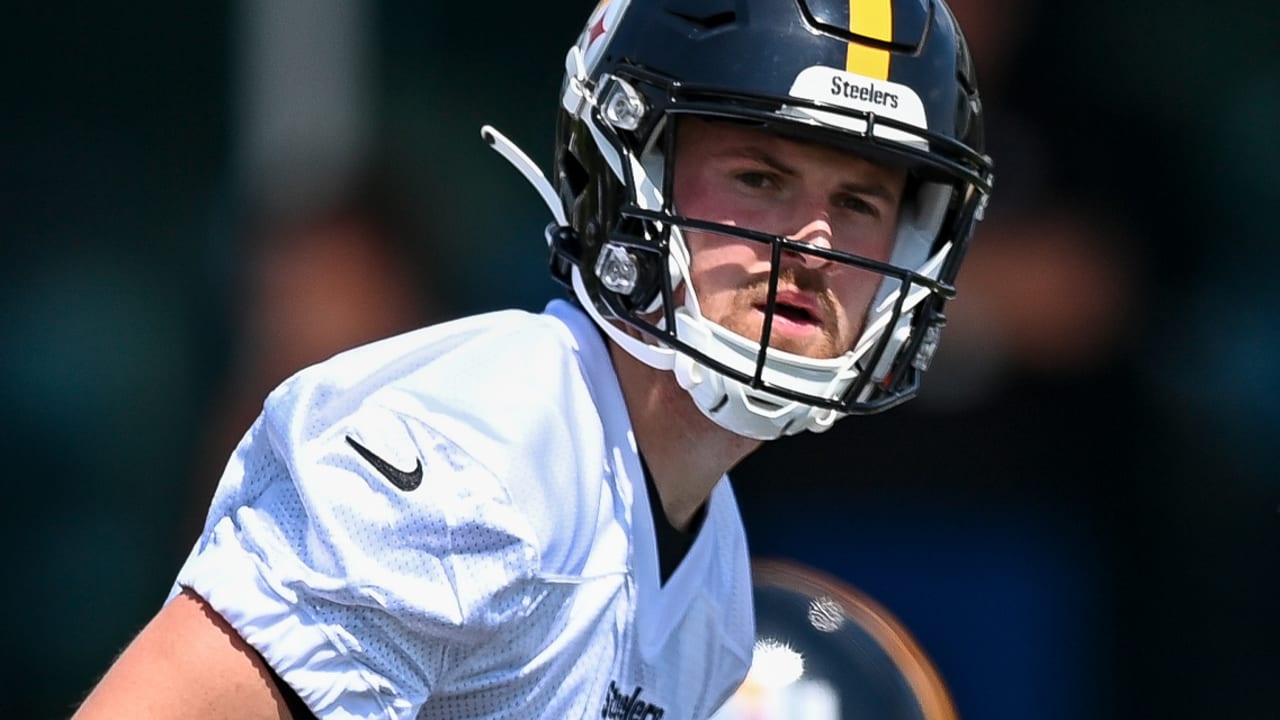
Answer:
x=754 y=179
x=858 y=205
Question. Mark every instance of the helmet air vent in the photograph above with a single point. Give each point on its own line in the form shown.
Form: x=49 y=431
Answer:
x=705 y=19
x=911 y=20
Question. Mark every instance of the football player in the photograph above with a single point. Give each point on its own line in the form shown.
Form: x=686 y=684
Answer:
x=759 y=208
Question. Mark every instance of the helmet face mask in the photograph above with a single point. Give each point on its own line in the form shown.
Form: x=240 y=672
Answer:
x=639 y=67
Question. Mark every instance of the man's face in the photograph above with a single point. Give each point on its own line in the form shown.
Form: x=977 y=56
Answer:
x=749 y=178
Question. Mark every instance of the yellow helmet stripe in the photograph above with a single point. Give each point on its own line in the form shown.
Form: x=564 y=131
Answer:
x=873 y=19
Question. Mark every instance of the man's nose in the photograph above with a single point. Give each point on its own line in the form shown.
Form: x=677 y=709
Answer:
x=814 y=230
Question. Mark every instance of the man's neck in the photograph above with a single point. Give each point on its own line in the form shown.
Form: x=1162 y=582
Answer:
x=686 y=452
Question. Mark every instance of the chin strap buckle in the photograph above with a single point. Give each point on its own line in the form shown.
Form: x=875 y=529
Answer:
x=566 y=252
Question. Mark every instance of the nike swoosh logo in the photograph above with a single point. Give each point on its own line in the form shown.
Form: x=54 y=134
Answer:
x=406 y=481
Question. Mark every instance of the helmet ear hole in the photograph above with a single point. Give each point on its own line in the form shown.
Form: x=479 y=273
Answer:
x=573 y=175
x=647 y=289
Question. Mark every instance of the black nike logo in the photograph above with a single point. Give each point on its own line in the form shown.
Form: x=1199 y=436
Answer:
x=406 y=481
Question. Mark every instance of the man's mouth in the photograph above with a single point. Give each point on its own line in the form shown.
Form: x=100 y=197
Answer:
x=795 y=307
x=800 y=324
x=795 y=314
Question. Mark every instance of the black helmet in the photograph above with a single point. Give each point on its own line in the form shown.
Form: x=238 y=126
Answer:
x=826 y=651
x=892 y=82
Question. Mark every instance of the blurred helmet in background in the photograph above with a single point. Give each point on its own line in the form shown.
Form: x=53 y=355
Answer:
x=825 y=651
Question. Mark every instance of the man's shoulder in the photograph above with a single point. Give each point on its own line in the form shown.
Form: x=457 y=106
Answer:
x=528 y=401
x=461 y=353
x=395 y=358
x=520 y=392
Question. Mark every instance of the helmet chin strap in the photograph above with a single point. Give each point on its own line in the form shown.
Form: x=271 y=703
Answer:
x=728 y=403
x=655 y=356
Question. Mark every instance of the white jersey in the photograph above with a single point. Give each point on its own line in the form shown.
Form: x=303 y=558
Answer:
x=453 y=523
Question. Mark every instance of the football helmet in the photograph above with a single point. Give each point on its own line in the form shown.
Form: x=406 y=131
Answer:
x=890 y=80
x=826 y=651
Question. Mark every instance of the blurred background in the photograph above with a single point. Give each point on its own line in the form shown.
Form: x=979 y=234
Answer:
x=1079 y=517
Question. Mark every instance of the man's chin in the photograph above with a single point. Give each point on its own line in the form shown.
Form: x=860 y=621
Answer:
x=820 y=348
x=812 y=341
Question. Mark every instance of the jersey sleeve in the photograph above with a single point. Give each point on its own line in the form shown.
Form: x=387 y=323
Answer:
x=351 y=586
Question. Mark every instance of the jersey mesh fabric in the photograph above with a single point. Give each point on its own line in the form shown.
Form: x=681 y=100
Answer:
x=504 y=585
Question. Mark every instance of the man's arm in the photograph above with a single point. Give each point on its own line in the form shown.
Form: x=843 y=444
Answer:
x=187 y=663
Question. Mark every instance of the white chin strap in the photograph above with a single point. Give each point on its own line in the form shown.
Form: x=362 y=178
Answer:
x=729 y=403
x=754 y=413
